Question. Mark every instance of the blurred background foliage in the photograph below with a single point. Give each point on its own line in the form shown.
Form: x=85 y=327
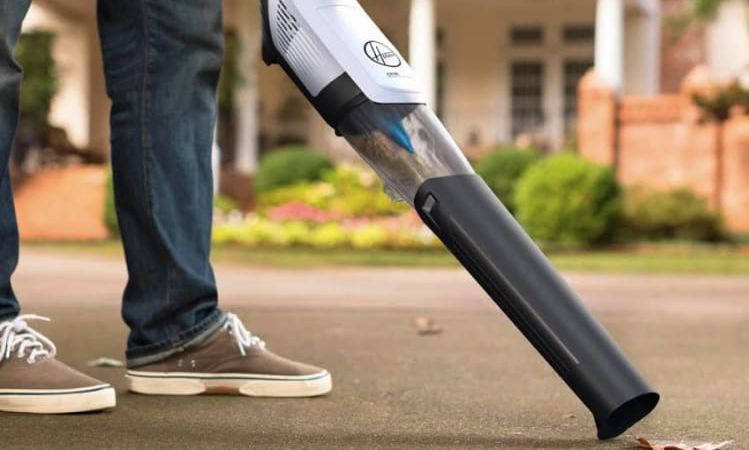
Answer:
x=305 y=201
x=561 y=200
x=566 y=199
x=503 y=167
x=34 y=53
x=723 y=101
x=697 y=11
x=288 y=166
x=40 y=84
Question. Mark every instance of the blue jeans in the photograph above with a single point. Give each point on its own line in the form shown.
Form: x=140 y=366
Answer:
x=162 y=61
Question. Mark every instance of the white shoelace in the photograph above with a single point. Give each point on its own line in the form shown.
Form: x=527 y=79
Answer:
x=244 y=338
x=17 y=336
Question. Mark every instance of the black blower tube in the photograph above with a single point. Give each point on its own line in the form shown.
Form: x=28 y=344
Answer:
x=483 y=235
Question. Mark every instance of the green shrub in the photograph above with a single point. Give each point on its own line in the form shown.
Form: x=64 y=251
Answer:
x=110 y=214
x=288 y=166
x=34 y=53
x=676 y=214
x=225 y=204
x=352 y=191
x=502 y=168
x=566 y=199
x=359 y=193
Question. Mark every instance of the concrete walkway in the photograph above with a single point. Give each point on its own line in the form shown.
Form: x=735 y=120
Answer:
x=477 y=385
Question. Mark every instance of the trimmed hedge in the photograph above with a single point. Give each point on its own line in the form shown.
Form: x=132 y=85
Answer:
x=288 y=166
x=678 y=214
x=502 y=169
x=568 y=200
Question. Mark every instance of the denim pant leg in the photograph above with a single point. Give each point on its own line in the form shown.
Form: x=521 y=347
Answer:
x=162 y=61
x=12 y=13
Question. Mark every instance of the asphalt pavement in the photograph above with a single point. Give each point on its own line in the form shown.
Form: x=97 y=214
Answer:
x=477 y=385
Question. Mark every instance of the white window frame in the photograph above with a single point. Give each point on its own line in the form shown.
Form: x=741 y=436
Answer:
x=552 y=53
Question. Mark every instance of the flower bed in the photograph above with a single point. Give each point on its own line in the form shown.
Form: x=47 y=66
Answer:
x=398 y=232
x=346 y=209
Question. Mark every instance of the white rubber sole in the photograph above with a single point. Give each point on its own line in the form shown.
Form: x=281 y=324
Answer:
x=154 y=383
x=58 y=401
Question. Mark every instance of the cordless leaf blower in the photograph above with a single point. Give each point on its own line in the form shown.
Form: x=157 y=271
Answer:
x=363 y=88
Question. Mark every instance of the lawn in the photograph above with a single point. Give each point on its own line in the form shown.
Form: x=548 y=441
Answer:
x=666 y=258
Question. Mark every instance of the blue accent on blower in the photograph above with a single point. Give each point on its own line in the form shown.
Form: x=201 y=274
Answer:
x=390 y=123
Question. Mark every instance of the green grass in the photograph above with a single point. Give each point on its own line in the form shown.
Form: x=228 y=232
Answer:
x=720 y=262
x=665 y=258
x=295 y=257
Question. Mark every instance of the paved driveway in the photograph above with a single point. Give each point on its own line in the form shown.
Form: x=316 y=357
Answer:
x=477 y=385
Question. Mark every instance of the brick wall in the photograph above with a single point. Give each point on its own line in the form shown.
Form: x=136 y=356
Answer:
x=735 y=181
x=664 y=142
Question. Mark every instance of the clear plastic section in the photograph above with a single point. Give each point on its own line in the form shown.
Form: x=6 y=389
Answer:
x=405 y=144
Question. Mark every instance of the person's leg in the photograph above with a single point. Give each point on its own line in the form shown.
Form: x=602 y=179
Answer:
x=12 y=13
x=162 y=62
x=31 y=379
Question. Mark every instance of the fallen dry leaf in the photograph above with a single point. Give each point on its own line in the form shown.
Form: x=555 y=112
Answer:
x=105 y=362
x=426 y=326
x=672 y=445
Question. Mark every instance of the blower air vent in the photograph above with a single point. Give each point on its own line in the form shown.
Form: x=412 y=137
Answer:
x=286 y=25
x=297 y=47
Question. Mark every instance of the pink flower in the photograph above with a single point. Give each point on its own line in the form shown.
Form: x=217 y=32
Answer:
x=296 y=211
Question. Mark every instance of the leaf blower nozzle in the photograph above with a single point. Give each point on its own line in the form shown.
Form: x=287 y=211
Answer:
x=361 y=85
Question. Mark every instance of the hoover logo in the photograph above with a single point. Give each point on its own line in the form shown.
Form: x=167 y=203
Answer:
x=381 y=54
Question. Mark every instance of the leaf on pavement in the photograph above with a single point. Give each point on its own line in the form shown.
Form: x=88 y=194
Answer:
x=105 y=362
x=426 y=326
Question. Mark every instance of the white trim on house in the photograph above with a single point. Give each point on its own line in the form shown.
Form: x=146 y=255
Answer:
x=479 y=55
x=423 y=45
x=553 y=54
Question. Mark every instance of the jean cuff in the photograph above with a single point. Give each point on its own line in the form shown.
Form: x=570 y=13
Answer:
x=8 y=318
x=190 y=338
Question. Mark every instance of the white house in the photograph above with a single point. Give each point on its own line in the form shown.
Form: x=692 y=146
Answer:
x=494 y=69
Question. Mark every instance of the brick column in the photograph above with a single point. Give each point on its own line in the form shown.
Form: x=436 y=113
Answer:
x=596 y=123
x=735 y=195
x=700 y=81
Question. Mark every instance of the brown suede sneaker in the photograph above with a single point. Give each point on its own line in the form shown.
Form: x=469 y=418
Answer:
x=231 y=361
x=33 y=381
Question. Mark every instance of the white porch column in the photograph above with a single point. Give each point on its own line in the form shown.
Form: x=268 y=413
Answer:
x=610 y=42
x=423 y=46
x=248 y=29
x=643 y=49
